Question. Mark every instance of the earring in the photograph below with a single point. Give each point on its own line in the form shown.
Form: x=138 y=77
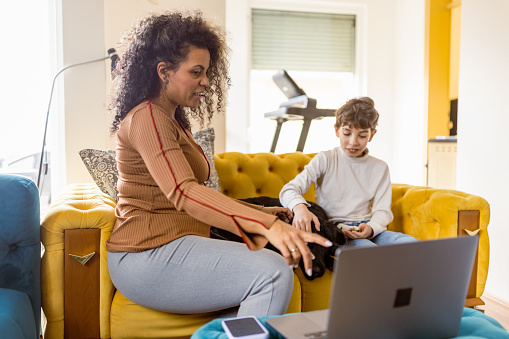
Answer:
x=165 y=80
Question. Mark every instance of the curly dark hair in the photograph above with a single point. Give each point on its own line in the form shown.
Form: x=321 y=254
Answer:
x=359 y=113
x=167 y=38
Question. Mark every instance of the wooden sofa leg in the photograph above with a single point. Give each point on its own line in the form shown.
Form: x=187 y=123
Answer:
x=469 y=220
x=81 y=283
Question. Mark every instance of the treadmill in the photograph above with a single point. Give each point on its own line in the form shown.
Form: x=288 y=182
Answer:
x=298 y=107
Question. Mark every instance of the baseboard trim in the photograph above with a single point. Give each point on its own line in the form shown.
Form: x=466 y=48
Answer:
x=501 y=303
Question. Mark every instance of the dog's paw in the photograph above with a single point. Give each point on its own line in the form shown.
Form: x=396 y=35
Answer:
x=319 y=265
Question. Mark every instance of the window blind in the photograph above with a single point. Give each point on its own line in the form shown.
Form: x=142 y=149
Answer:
x=302 y=41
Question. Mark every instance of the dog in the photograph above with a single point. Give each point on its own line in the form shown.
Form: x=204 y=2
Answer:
x=324 y=256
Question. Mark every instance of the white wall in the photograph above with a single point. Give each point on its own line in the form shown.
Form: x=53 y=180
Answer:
x=81 y=115
x=410 y=107
x=238 y=26
x=483 y=119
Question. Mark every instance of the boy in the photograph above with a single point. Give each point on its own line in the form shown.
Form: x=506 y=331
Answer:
x=353 y=187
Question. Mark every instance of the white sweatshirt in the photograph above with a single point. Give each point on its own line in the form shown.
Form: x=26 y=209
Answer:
x=348 y=189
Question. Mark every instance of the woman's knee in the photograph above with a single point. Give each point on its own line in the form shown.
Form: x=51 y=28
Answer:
x=276 y=267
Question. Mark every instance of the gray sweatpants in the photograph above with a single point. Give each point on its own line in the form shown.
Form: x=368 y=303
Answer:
x=194 y=274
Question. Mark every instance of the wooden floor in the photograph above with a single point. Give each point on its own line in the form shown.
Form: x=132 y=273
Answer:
x=496 y=310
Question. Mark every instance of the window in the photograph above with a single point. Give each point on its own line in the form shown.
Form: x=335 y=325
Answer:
x=26 y=69
x=318 y=51
x=303 y=41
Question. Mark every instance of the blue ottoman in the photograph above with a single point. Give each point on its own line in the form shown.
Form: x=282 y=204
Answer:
x=474 y=324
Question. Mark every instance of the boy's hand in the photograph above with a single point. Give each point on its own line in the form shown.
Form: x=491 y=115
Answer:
x=302 y=218
x=365 y=233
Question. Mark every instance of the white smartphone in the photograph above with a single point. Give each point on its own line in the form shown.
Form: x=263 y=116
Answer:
x=245 y=328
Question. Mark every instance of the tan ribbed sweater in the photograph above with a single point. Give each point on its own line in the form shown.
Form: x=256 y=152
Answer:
x=161 y=195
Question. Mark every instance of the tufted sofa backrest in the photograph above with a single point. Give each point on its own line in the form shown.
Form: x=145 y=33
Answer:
x=259 y=174
x=20 y=244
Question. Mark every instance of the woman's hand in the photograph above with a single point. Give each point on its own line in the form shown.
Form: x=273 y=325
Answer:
x=303 y=217
x=366 y=232
x=292 y=243
x=282 y=213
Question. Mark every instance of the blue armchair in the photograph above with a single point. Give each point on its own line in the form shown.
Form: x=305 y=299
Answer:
x=20 y=258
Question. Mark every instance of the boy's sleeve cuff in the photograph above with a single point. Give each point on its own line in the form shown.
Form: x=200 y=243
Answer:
x=377 y=229
x=295 y=202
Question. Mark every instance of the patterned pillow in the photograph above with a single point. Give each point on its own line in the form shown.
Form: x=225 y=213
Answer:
x=205 y=138
x=102 y=166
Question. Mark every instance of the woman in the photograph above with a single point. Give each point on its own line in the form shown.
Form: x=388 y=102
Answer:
x=159 y=253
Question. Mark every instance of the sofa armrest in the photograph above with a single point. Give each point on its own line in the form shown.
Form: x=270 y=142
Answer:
x=430 y=213
x=20 y=253
x=81 y=212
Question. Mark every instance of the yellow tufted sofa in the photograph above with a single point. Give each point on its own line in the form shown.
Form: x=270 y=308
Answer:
x=79 y=299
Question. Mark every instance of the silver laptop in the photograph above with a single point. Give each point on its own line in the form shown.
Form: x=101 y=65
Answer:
x=414 y=290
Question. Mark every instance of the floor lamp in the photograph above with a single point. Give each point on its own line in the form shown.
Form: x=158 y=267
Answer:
x=43 y=158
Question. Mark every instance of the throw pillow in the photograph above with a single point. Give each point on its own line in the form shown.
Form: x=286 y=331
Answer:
x=205 y=138
x=102 y=167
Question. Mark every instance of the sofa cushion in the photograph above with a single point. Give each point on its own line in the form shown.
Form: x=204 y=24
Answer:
x=102 y=166
x=130 y=320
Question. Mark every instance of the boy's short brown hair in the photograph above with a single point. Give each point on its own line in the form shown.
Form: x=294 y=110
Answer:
x=359 y=113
